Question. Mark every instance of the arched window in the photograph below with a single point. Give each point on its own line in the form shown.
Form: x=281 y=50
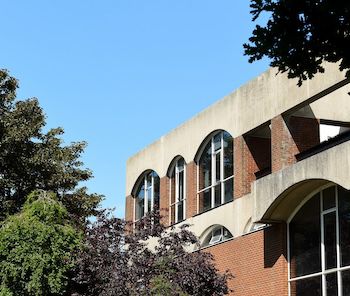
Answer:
x=147 y=195
x=178 y=192
x=319 y=245
x=216 y=235
x=215 y=172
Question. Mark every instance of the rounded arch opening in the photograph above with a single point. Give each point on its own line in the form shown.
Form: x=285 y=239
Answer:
x=214 y=234
x=177 y=189
x=284 y=205
x=319 y=243
x=146 y=194
x=172 y=165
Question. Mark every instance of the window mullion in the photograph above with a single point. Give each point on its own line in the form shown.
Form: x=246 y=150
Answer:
x=184 y=193
x=152 y=193
x=323 y=263
x=145 y=199
x=339 y=279
x=222 y=169
x=213 y=173
x=176 y=191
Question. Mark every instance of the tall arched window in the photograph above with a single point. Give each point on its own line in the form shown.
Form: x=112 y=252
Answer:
x=319 y=245
x=215 y=172
x=178 y=192
x=147 y=195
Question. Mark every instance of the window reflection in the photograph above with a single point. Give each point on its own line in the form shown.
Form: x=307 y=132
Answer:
x=147 y=195
x=216 y=172
x=314 y=228
x=178 y=192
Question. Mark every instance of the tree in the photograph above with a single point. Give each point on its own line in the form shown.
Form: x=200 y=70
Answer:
x=151 y=260
x=32 y=159
x=37 y=247
x=300 y=35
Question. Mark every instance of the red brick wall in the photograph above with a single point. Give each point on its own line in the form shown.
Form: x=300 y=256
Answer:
x=251 y=154
x=305 y=132
x=191 y=189
x=129 y=209
x=257 y=262
x=291 y=136
x=260 y=149
x=242 y=161
x=164 y=199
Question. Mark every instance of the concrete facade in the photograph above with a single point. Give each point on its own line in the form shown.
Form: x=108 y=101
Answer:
x=279 y=159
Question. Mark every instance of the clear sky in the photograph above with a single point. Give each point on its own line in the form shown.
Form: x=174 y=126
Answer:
x=121 y=73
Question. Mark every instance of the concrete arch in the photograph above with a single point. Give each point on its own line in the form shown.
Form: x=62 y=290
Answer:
x=286 y=203
x=330 y=166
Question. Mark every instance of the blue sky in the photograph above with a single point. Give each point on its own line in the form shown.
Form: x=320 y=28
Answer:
x=121 y=73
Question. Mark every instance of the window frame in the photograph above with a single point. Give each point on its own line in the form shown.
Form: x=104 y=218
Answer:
x=324 y=272
x=209 y=242
x=148 y=194
x=213 y=180
x=175 y=174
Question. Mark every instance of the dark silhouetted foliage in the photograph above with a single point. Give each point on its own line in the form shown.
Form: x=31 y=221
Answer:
x=151 y=260
x=301 y=34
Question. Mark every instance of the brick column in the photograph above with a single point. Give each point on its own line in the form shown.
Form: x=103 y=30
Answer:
x=164 y=200
x=129 y=211
x=290 y=137
x=191 y=189
x=244 y=167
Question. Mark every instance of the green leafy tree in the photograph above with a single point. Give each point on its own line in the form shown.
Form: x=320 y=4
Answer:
x=37 y=247
x=32 y=159
x=300 y=35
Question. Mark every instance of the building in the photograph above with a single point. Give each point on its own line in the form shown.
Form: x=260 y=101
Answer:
x=263 y=177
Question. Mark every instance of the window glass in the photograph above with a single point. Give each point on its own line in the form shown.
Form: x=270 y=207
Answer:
x=217 y=142
x=180 y=211
x=228 y=155
x=307 y=287
x=140 y=203
x=217 y=195
x=205 y=168
x=328 y=198
x=216 y=171
x=346 y=282
x=330 y=240
x=218 y=166
x=172 y=189
x=147 y=195
x=205 y=200
x=218 y=234
x=344 y=225
x=177 y=192
x=305 y=239
x=181 y=185
x=305 y=245
x=331 y=284
x=228 y=186
x=156 y=192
